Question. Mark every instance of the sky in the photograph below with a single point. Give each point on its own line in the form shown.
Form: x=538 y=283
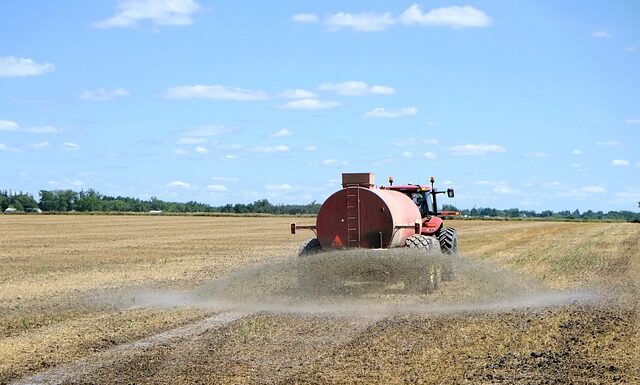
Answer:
x=527 y=104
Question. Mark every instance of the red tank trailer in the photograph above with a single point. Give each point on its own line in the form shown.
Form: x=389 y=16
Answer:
x=361 y=215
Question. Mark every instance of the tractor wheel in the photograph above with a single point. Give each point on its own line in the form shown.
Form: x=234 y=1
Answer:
x=310 y=246
x=448 y=240
x=420 y=242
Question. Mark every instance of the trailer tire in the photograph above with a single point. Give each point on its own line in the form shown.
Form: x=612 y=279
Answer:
x=420 y=242
x=448 y=238
x=310 y=246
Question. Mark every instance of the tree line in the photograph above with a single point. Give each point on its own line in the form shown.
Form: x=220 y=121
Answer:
x=92 y=201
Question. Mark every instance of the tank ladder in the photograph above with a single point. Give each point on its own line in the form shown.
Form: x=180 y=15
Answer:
x=353 y=216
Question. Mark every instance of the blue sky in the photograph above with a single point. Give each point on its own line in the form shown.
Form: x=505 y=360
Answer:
x=534 y=105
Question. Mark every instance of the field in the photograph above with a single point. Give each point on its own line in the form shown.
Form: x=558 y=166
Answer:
x=127 y=299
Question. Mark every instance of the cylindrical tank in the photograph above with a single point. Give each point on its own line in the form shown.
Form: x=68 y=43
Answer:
x=367 y=218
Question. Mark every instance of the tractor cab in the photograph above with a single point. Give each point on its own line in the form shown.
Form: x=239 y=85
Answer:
x=424 y=197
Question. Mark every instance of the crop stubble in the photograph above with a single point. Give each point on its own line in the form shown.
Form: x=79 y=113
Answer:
x=57 y=271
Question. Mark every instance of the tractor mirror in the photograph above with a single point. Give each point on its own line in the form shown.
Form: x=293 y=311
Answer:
x=450 y=193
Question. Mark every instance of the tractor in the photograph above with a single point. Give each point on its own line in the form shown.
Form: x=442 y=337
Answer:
x=363 y=216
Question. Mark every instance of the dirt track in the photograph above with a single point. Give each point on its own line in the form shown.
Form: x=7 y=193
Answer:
x=574 y=340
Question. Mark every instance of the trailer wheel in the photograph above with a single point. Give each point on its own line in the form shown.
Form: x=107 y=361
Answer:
x=310 y=246
x=448 y=238
x=420 y=242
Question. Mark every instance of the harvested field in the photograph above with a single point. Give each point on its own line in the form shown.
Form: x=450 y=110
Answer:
x=154 y=299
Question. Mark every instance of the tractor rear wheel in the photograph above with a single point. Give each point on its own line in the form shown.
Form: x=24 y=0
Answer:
x=448 y=238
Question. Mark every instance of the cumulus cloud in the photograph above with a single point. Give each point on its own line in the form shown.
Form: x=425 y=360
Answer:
x=454 y=16
x=44 y=130
x=355 y=88
x=476 y=149
x=310 y=104
x=633 y=121
x=620 y=162
x=333 y=162
x=416 y=142
x=382 y=112
x=8 y=125
x=103 y=95
x=305 y=18
x=188 y=140
x=270 y=149
x=209 y=130
x=279 y=187
x=178 y=184
x=608 y=143
x=364 y=22
x=577 y=152
x=216 y=92
x=601 y=34
x=39 y=145
x=592 y=190
x=407 y=154
x=311 y=148
x=130 y=13
x=281 y=133
x=217 y=187
x=429 y=155
x=11 y=66
x=71 y=146
x=201 y=150
x=298 y=93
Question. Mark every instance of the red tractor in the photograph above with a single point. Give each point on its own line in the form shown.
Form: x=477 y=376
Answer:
x=361 y=215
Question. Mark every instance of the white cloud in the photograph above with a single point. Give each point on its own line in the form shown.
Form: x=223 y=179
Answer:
x=103 y=95
x=39 y=145
x=333 y=162
x=620 y=162
x=229 y=157
x=355 y=88
x=416 y=142
x=365 y=22
x=504 y=189
x=130 y=13
x=429 y=155
x=305 y=17
x=454 y=16
x=178 y=184
x=8 y=125
x=11 y=66
x=189 y=140
x=281 y=133
x=633 y=121
x=4 y=147
x=279 y=187
x=310 y=104
x=608 y=143
x=71 y=146
x=270 y=149
x=211 y=130
x=311 y=148
x=592 y=190
x=201 y=150
x=44 y=130
x=216 y=187
x=216 y=92
x=225 y=179
x=601 y=34
x=382 y=112
x=485 y=182
x=407 y=154
x=476 y=149
x=627 y=196
x=180 y=151
x=631 y=48
x=298 y=93
x=537 y=155
x=577 y=152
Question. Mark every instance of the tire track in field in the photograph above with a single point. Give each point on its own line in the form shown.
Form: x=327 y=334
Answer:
x=75 y=371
